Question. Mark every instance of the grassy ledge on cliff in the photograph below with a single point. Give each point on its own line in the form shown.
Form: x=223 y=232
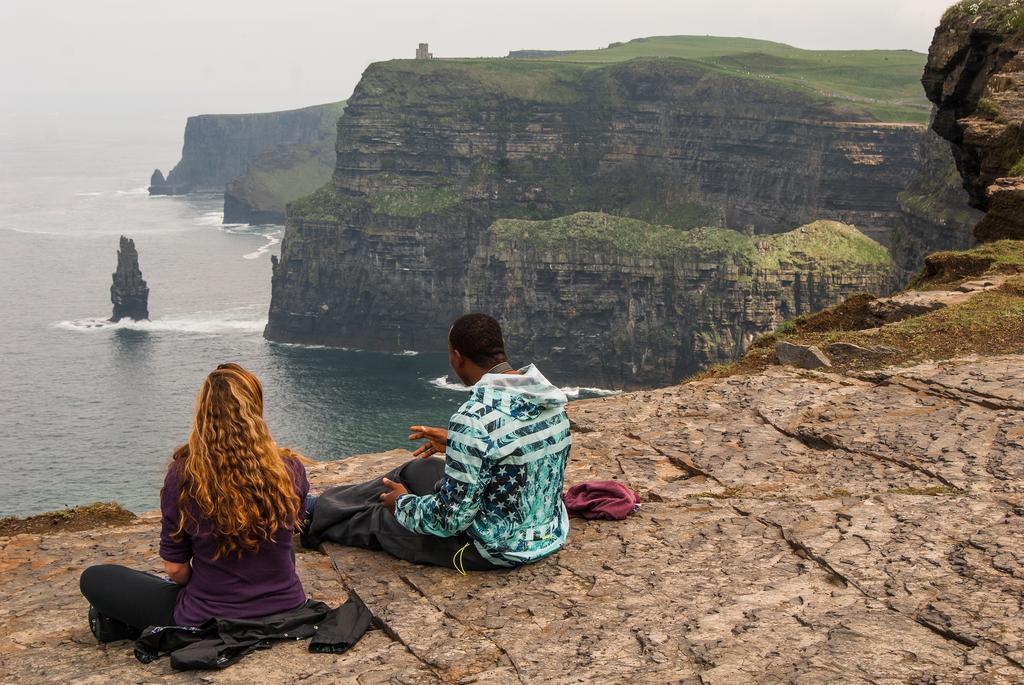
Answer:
x=822 y=241
x=963 y=303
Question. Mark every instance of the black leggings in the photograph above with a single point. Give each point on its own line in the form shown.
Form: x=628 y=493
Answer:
x=132 y=597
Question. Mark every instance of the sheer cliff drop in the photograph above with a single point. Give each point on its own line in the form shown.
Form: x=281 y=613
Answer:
x=129 y=292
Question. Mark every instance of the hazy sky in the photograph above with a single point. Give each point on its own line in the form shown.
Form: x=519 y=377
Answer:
x=64 y=60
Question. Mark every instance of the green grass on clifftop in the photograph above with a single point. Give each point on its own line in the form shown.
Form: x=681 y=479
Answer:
x=885 y=82
x=825 y=241
x=944 y=270
x=995 y=15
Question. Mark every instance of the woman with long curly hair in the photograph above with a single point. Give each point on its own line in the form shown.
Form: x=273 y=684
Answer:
x=231 y=502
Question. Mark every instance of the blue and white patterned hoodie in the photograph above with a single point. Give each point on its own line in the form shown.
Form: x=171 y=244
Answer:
x=504 y=467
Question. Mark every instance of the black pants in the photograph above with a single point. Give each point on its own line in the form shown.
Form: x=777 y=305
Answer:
x=352 y=515
x=137 y=599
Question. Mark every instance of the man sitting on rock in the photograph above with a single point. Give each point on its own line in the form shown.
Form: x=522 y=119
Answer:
x=495 y=500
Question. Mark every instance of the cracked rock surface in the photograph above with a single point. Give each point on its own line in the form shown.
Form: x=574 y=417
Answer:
x=796 y=527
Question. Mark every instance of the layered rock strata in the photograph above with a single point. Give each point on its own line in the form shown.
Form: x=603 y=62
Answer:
x=598 y=300
x=431 y=153
x=660 y=139
x=975 y=77
x=607 y=302
x=129 y=292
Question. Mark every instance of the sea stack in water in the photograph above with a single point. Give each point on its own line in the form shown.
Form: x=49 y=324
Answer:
x=158 y=185
x=129 y=292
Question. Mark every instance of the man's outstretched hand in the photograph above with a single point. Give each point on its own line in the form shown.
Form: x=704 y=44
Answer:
x=394 y=491
x=435 y=437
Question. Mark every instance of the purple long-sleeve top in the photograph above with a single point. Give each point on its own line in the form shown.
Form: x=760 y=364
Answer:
x=256 y=584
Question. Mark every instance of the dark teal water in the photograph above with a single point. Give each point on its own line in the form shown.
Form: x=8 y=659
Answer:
x=91 y=412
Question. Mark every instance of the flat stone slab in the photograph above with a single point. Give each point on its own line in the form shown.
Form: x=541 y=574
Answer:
x=45 y=638
x=797 y=526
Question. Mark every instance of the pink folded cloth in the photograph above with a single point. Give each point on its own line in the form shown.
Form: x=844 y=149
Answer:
x=601 y=499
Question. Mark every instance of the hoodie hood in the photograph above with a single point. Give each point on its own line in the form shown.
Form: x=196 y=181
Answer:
x=522 y=396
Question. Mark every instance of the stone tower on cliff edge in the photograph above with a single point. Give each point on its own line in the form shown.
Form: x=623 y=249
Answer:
x=423 y=52
x=129 y=293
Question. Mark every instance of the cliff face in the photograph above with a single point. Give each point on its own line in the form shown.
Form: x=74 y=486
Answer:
x=219 y=148
x=936 y=215
x=975 y=77
x=282 y=174
x=664 y=140
x=431 y=153
x=626 y=315
x=128 y=293
x=597 y=299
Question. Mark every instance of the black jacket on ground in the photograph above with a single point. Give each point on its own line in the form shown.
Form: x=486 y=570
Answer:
x=220 y=642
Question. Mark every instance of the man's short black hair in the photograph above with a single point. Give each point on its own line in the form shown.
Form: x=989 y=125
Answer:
x=478 y=338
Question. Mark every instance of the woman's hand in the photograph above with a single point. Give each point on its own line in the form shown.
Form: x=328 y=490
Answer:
x=179 y=573
x=436 y=439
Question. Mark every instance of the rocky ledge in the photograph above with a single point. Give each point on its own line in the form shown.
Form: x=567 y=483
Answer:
x=796 y=526
x=975 y=78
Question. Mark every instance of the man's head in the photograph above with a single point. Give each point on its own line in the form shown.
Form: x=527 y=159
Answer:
x=475 y=346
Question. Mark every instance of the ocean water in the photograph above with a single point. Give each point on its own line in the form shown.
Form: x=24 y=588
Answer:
x=91 y=411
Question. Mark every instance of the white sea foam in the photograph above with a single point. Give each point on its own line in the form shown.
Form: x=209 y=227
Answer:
x=194 y=324
x=87 y=194
x=303 y=346
x=134 y=191
x=596 y=392
x=272 y=239
x=444 y=383
x=19 y=230
x=407 y=353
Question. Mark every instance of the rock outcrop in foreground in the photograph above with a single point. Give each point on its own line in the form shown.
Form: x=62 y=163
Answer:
x=796 y=527
x=129 y=293
x=975 y=77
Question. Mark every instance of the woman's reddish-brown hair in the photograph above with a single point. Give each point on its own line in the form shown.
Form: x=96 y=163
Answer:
x=231 y=472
